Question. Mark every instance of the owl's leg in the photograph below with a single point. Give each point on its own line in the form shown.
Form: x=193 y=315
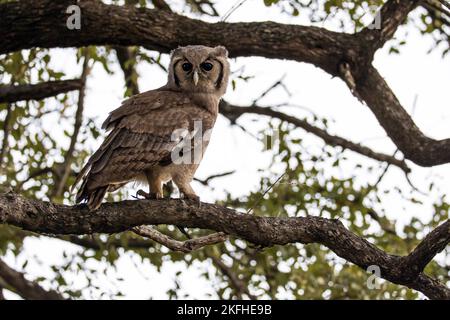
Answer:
x=155 y=188
x=186 y=190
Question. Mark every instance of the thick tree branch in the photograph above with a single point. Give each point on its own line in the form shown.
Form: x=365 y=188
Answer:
x=162 y=31
x=233 y=112
x=45 y=217
x=9 y=93
x=432 y=244
x=391 y=15
x=25 y=288
x=398 y=124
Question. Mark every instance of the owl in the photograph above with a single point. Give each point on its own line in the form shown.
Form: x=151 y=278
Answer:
x=160 y=135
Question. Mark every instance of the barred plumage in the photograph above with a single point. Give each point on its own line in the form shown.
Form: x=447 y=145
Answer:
x=141 y=140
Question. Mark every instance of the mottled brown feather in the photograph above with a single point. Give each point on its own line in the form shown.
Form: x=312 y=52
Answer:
x=140 y=137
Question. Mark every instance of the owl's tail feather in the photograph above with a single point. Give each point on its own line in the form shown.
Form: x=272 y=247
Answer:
x=93 y=197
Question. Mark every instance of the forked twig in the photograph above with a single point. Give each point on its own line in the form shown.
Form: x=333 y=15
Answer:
x=183 y=246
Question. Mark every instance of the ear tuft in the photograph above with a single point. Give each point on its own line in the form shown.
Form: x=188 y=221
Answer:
x=221 y=51
x=175 y=51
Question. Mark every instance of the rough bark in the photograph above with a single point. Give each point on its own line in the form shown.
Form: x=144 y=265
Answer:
x=42 y=23
x=46 y=217
x=398 y=124
x=392 y=15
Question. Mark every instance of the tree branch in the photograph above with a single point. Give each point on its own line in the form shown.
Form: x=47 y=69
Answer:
x=6 y=129
x=126 y=57
x=233 y=112
x=398 y=124
x=239 y=286
x=42 y=23
x=25 y=288
x=60 y=181
x=431 y=245
x=26 y=24
x=183 y=246
x=10 y=93
x=206 y=181
x=2 y=297
x=392 y=15
x=45 y=217
x=96 y=244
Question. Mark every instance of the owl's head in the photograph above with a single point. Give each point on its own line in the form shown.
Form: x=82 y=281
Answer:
x=199 y=69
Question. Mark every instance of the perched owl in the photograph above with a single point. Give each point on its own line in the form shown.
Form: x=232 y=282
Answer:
x=160 y=135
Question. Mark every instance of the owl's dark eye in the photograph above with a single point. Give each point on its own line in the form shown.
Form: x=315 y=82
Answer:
x=187 y=66
x=206 y=66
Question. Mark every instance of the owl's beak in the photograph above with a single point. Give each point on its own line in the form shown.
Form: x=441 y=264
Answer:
x=195 y=77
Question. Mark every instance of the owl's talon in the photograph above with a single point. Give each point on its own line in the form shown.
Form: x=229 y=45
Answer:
x=182 y=201
x=148 y=196
x=194 y=198
x=143 y=194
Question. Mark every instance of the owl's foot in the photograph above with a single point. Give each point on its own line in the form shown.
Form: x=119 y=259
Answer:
x=148 y=196
x=194 y=198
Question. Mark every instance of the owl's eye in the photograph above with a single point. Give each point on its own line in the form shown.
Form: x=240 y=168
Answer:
x=187 y=66
x=206 y=66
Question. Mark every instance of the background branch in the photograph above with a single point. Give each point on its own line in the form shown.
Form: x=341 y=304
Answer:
x=6 y=129
x=13 y=93
x=25 y=288
x=233 y=112
x=61 y=180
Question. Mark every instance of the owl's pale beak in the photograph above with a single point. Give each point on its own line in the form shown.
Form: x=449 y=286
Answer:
x=195 y=77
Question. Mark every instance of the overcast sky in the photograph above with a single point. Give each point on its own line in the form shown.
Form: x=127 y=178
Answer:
x=413 y=73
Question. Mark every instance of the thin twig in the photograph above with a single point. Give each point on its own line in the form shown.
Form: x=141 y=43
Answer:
x=269 y=89
x=265 y=192
x=6 y=130
x=239 y=286
x=183 y=246
x=214 y=176
x=61 y=182
x=232 y=9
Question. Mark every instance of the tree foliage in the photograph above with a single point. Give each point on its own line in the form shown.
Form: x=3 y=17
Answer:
x=36 y=135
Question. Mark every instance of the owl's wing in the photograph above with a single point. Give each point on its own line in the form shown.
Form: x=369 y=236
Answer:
x=142 y=103
x=142 y=136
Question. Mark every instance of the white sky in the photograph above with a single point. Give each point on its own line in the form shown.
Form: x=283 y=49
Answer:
x=413 y=72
